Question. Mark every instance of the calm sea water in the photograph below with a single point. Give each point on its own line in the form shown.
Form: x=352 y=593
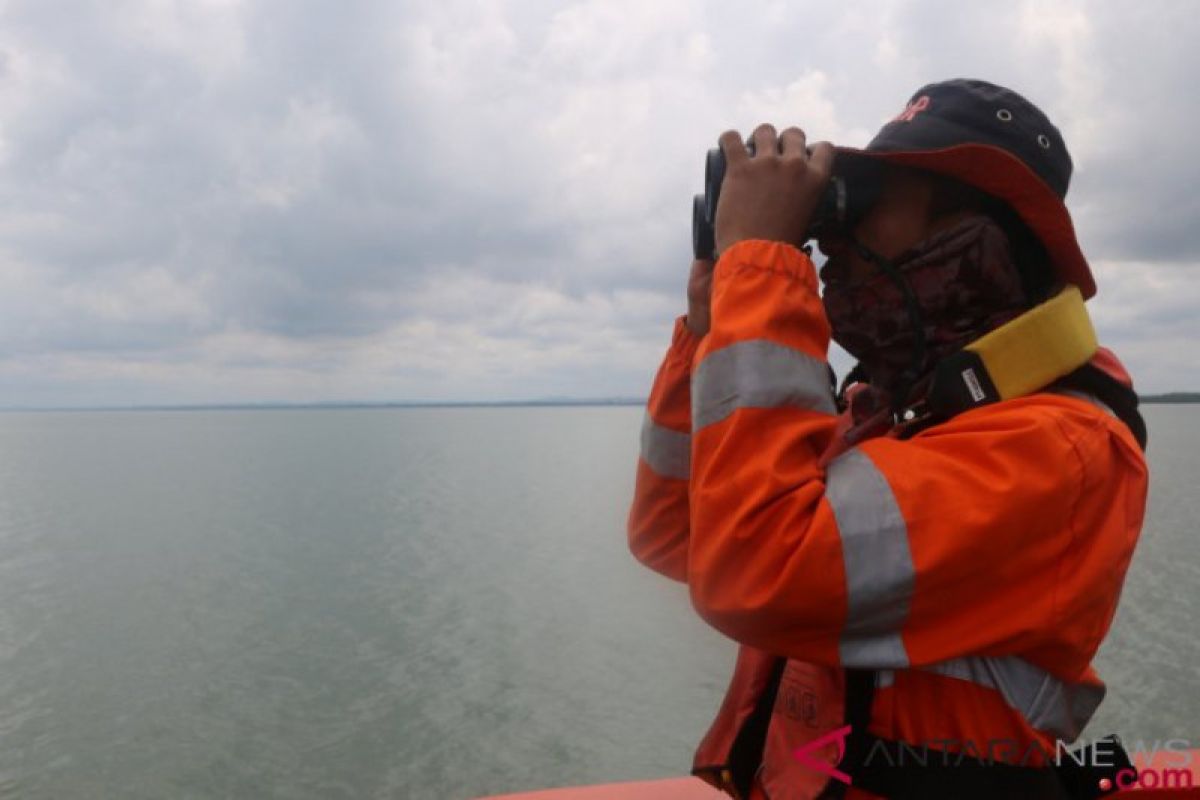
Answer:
x=417 y=603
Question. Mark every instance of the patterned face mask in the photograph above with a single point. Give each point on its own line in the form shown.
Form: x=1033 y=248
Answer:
x=965 y=283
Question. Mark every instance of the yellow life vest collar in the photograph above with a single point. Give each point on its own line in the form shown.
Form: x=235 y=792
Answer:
x=1026 y=354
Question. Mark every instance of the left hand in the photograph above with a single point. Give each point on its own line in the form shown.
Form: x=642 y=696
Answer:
x=772 y=194
x=699 y=296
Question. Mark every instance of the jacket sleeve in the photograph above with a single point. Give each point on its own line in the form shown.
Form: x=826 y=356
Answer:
x=1005 y=530
x=658 y=518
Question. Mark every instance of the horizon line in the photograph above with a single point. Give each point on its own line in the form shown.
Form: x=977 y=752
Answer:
x=266 y=405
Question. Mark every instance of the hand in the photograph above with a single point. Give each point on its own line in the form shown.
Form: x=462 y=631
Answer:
x=699 y=294
x=772 y=194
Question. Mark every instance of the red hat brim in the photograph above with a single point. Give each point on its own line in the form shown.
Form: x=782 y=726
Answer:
x=1004 y=176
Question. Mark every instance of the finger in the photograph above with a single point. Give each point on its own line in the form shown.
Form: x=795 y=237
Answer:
x=699 y=286
x=764 y=139
x=820 y=159
x=792 y=142
x=733 y=147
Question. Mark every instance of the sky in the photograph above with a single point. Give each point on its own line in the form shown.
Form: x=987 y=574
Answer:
x=218 y=201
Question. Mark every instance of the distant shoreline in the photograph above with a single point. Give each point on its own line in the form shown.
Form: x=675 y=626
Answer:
x=338 y=406
x=1171 y=398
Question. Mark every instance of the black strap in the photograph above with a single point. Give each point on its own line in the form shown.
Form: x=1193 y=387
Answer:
x=746 y=754
x=948 y=397
x=859 y=697
x=1084 y=780
x=1114 y=394
x=960 y=382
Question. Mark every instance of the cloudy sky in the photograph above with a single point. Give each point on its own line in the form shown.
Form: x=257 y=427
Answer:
x=279 y=200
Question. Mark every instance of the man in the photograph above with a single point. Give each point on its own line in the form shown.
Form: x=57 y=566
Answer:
x=914 y=572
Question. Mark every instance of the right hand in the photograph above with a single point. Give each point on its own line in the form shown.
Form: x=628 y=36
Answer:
x=772 y=194
x=699 y=294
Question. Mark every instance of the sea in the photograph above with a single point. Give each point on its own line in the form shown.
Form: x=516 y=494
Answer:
x=406 y=603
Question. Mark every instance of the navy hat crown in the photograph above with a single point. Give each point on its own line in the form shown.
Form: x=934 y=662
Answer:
x=973 y=112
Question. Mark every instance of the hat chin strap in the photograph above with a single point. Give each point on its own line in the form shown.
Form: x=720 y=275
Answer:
x=912 y=374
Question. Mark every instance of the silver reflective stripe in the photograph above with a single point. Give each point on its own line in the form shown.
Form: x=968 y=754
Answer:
x=878 y=562
x=1047 y=703
x=885 y=678
x=758 y=374
x=668 y=452
x=1087 y=398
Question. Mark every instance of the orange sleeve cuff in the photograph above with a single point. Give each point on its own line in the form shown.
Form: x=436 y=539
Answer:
x=760 y=254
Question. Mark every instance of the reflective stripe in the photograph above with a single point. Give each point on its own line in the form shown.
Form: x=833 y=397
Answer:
x=1047 y=703
x=758 y=374
x=668 y=452
x=878 y=562
x=1087 y=398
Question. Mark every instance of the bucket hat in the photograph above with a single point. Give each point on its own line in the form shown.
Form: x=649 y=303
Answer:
x=993 y=139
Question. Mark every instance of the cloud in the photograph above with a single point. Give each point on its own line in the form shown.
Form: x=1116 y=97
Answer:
x=471 y=199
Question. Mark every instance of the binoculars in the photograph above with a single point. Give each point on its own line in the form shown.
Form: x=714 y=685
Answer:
x=852 y=190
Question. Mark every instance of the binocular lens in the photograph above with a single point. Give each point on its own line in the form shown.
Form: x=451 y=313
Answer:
x=703 y=243
x=714 y=176
x=848 y=197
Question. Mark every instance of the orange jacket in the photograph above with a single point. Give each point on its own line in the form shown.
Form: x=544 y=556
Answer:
x=976 y=565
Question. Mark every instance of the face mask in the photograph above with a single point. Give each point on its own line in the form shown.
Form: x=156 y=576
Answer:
x=965 y=283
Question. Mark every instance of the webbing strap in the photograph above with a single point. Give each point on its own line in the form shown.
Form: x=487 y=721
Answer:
x=745 y=756
x=860 y=695
x=1121 y=399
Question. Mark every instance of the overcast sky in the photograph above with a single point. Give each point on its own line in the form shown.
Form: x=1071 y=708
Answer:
x=223 y=201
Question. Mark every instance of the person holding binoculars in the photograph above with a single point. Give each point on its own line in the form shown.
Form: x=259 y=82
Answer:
x=926 y=558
